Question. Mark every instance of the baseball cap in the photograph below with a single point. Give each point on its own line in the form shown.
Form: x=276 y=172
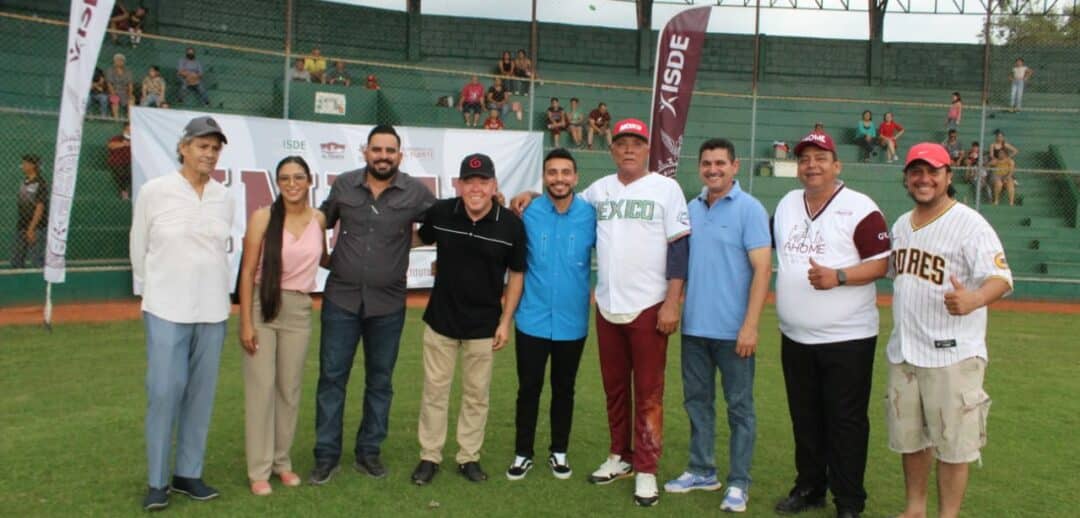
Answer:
x=631 y=127
x=820 y=140
x=203 y=126
x=477 y=164
x=929 y=152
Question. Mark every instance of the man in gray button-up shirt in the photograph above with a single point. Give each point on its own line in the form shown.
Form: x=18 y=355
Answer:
x=365 y=297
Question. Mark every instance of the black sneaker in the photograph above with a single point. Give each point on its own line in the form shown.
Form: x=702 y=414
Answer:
x=370 y=464
x=194 y=488
x=424 y=472
x=846 y=513
x=799 y=500
x=519 y=468
x=561 y=471
x=322 y=473
x=156 y=499
x=472 y=471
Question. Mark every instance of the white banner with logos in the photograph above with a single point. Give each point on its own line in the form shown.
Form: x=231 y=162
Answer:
x=256 y=144
x=86 y=30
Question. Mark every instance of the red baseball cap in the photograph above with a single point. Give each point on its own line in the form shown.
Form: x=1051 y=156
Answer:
x=631 y=127
x=934 y=154
x=820 y=140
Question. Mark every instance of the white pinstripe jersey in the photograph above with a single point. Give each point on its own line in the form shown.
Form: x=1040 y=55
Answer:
x=959 y=242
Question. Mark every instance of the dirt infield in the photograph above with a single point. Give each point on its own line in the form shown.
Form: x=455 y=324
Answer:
x=129 y=309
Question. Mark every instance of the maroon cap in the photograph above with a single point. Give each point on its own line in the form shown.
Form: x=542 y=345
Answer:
x=631 y=127
x=820 y=140
x=934 y=154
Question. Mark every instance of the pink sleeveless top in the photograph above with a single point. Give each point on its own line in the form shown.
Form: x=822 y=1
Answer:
x=299 y=259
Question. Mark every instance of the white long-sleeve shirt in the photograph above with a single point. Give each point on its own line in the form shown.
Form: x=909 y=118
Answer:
x=179 y=249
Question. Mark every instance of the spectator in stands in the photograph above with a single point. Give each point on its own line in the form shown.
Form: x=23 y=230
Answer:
x=600 y=124
x=1004 y=175
x=299 y=71
x=956 y=111
x=190 y=72
x=888 y=133
x=153 y=88
x=118 y=158
x=471 y=101
x=315 y=64
x=99 y=93
x=338 y=76
x=498 y=98
x=118 y=21
x=866 y=135
x=505 y=69
x=121 y=85
x=952 y=145
x=1000 y=144
x=1019 y=75
x=556 y=121
x=135 y=25
x=493 y=122
x=32 y=202
x=372 y=83
x=576 y=120
x=523 y=70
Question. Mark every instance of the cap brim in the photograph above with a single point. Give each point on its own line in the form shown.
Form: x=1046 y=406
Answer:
x=475 y=173
x=224 y=140
x=629 y=133
x=803 y=145
x=929 y=161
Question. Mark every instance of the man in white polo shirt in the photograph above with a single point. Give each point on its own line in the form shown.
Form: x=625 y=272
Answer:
x=179 y=259
x=947 y=265
x=831 y=243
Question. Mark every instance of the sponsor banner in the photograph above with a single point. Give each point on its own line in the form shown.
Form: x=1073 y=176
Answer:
x=678 y=54
x=328 y=103
x=86 y=30
x=256 y=145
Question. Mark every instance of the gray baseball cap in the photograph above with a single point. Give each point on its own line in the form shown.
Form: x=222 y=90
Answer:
x=203 y=126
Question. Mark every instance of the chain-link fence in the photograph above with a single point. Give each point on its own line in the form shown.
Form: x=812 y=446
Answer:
x=270 y=58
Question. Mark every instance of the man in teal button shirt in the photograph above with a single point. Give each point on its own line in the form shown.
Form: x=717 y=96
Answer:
x=553 y=316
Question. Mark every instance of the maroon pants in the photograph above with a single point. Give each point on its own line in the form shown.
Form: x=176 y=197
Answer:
x=634 y=354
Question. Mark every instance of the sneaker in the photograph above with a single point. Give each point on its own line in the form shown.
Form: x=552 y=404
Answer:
x=156 y=499
x=734 y=500
x=473 y=472
x=559 y=467
x=688 y=482
x=370 y=464
x=519 y=468
x=799 y=500
x=645 y=492
x=322 y=473
x=611 y=470
x=424 y=472
x=194 y=488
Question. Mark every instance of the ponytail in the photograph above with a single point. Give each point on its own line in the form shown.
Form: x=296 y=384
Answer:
x=270 y=286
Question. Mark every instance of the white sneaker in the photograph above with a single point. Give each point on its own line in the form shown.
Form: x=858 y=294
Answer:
x=734 y=500
x=611 y=470
x=646 y=493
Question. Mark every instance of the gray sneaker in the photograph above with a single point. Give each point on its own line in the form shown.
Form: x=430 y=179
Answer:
x=194 y=488
x=322 y=473
x=156 y=499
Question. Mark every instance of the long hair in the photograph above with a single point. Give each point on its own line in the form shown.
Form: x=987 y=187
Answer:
x=270 y=285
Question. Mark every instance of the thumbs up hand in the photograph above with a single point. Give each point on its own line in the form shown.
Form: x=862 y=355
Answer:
x=821 y=277
x=961 y=300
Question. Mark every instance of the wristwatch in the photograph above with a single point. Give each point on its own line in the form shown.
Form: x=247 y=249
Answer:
x=841 y=277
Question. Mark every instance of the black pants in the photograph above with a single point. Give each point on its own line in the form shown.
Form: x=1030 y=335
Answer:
x=828 y=390
x=532 y=355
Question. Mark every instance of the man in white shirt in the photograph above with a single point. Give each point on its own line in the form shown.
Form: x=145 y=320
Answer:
x=831 y=244
x=947 y=266
x=179 y=259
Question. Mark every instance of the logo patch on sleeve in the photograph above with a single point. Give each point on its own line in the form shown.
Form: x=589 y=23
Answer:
x=1000 y=262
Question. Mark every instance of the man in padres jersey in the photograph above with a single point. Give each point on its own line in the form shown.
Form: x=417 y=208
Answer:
x=832 y=243
x=947 y=265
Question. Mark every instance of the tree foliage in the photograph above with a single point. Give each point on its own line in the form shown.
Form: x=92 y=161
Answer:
x=1032 y=27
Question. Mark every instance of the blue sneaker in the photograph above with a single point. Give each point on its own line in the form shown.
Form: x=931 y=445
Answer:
x=688 y=482
x=734 y=500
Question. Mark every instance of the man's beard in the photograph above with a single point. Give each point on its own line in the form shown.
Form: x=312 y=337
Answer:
x=382 y=176
x=569 y=192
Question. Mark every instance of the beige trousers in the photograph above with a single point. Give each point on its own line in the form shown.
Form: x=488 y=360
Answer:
x=440 y=356
x=272 y=378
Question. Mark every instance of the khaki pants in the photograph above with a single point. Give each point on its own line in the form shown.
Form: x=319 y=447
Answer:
x=440 y=355
x=272 y=378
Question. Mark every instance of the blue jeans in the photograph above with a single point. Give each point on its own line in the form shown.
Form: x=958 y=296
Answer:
x=1016 y=94
x=181 y=376
x=199 y=90
x=100 y=99
x=701 y=357
x=341 y=330
x=22 y=250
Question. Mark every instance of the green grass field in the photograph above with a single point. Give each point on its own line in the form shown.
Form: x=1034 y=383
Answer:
x=72 y=405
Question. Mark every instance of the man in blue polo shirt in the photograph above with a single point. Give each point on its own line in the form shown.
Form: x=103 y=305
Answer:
x=553 y=316
x=730 y=264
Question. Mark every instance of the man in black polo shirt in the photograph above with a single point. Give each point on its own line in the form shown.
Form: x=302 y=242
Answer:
x=477 y=241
